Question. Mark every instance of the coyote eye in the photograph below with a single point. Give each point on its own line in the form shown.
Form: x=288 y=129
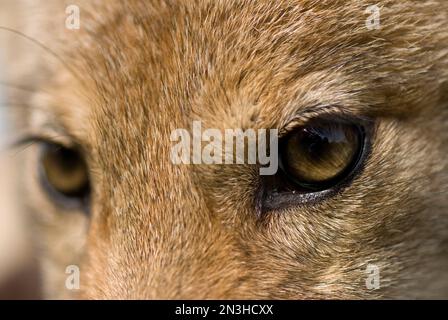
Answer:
x=321 y=154
x=64 y=174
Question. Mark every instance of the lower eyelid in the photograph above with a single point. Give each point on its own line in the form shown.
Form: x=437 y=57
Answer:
x=282 y=201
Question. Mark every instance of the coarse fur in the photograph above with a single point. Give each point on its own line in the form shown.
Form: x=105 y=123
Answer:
x=136 y=70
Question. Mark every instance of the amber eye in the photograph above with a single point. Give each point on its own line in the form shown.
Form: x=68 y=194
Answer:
x=64 y=173
x=322 y=153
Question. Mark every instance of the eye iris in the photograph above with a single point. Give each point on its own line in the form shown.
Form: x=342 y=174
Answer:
x=321 y=152
x=65 y=171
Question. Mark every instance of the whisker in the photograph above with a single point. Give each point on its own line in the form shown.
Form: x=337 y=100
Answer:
x=17 y=152
x=27 y=142
x=17 y=87
x=46 y=49
x=21 y=105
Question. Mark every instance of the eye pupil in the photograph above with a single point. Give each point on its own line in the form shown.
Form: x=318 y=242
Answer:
x=321 y=154
x=316 y=144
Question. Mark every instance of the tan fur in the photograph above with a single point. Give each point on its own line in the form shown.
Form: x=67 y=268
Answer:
x=139 y=69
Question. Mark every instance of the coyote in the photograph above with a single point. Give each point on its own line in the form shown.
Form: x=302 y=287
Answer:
x=358 y=92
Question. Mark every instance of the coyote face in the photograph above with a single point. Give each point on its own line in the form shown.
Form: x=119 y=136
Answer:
x=362 y=116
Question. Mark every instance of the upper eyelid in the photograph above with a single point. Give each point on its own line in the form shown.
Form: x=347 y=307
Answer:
x=302 y=117
x=51 y=137
x=44 y=137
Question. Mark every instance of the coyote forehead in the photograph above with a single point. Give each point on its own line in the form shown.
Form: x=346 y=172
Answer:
x=136 y=71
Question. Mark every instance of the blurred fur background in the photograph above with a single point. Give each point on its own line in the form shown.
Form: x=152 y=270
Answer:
x=17 y=268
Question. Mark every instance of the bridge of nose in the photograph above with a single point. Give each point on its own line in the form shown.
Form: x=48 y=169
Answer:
x=158 y=237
